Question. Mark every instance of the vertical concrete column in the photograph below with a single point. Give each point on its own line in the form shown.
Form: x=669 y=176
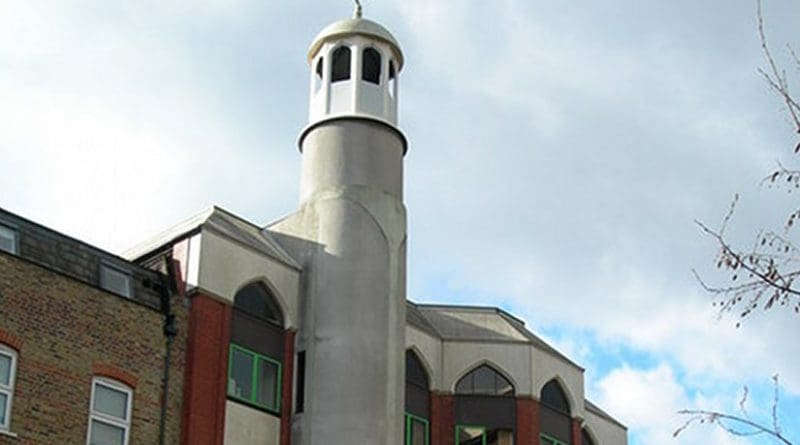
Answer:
x=443 y=419
x=206 y=372
x=353 y=223
x=354 y=276
x=286 y=387
x=527 y=421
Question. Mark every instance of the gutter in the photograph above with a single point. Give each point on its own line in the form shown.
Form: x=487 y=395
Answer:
x=168 y=289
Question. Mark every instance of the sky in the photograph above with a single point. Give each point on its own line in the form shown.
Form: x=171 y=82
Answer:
x=559 y=155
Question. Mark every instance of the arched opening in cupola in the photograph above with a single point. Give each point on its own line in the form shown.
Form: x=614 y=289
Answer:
x=340 y=64
x=371 y=65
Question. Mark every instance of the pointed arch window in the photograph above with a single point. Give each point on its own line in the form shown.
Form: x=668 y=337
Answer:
x=586 y=439
x=371 y=65
x=255 y=355
x=340 y=64
x=415 y=371
x=417 y=402
x=256 y=300
x=554 y=397
x=484 y=380
x=485 y=414
x=554 y=415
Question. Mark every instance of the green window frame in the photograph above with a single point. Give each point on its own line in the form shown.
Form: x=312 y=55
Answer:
x=479 y=427
x=258 y=360
x=550 y=440
x=410 y=419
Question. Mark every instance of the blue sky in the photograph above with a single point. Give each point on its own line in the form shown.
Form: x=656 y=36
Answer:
x=558 y=156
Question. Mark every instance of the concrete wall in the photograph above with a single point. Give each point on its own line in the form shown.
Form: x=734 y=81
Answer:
x=248 y=426
x=513 y=360
x=349 y=236
x=528 y=368
x=352 y=153
x=604 y=431
x=547 y=366
x=429 y=349
x=226 y=266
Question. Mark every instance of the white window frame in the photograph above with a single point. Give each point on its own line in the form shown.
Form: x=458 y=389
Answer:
x=8 y=390
x=105 y=418
x=14 y=232
x=105 y=266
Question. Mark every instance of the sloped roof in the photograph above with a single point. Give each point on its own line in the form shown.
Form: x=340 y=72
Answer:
x=224 y=223
x=475 y=323
x=599 y=412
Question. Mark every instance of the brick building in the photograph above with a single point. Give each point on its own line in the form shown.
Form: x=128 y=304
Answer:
x=83 y=340
x=295 y=332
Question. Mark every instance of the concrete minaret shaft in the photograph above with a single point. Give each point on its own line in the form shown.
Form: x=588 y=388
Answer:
x=353 y=328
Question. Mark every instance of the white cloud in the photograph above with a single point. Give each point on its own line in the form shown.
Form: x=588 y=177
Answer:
x=648 y=400
x=558 y=152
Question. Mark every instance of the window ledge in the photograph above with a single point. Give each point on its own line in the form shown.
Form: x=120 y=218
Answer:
x=7 y=433
x=255 y=406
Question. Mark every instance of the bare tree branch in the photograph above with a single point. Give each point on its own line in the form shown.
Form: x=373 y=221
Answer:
x=777 y=78
x=737 y=425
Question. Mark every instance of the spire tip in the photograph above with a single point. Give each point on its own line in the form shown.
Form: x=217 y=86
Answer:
x=358 y=10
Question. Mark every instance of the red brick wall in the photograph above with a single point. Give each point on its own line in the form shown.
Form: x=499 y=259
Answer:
x=287 y=383
x=11 y=340
x=206 y=371
x=443 y=420
x=576 y=432
x=63 y=328
x=527 y=421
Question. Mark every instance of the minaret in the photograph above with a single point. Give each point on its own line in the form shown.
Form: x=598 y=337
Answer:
x=354 y=221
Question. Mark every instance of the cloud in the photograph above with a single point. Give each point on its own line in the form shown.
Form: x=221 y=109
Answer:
x=649 y=400
x=558 y=156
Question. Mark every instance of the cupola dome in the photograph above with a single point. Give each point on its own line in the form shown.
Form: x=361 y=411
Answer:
x=354 y=65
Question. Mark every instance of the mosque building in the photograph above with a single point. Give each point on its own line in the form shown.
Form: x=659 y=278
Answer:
x=223 y=331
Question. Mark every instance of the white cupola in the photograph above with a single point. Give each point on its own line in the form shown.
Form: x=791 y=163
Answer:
x=354 y=68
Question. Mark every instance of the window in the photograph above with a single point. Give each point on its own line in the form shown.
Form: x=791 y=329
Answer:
x=371 y=69
x=392 y=81
x=256 y=300
x=470 y=435
x=554 y=415
x=300 y=403
x=417 y=394
x=416 y=431
x=484 y=380
x=585 y=438
x=340 y=64
x=115 y=280
x=9 y=239
x=254 y=379
x=547 y=440
x=110 y=413
x=415 y=372
x=553 y=396
x=8 y=362
x=480 y=435
x=318 y=75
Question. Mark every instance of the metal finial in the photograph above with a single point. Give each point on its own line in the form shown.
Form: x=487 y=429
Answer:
x=357 y=12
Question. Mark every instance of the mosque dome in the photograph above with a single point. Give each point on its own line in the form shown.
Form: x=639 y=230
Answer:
x=355 y=26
